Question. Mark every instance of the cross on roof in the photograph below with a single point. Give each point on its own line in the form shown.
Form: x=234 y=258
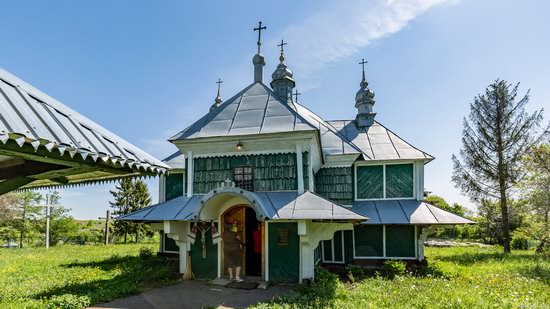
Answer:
x=363 y=64
x=282 y=46
x=219 y=82
x=259 y=29
x=296 y=94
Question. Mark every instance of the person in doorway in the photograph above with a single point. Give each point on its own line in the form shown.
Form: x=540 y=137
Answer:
x=232 y=251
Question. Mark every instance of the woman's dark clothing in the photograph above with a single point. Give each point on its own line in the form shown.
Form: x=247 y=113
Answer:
x=231 y=249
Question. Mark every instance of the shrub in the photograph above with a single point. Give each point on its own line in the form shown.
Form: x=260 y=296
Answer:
x=393 y=268
x=68 y=301
x=430 y=270
x=145 y=253
x=355 y=272
x=520 y=241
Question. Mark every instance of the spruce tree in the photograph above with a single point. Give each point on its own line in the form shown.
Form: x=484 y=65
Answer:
x=140 y=199
x=496 y=135
x=123 y=205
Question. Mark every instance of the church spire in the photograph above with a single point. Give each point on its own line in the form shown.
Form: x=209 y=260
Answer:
x=364 y=101
x=283 y=83
x=259 y=60
x=218 y=99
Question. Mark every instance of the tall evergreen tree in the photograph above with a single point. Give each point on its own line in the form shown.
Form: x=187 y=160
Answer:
x=496 y=135
x=122 y=205
x=140 y=199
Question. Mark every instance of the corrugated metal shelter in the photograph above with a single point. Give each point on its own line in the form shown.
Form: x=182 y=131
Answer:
x=44 y=143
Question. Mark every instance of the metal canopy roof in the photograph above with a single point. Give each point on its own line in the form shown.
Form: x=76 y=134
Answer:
x=279 y=206
x=406 y=212
x=257 y=110
x=34 y=127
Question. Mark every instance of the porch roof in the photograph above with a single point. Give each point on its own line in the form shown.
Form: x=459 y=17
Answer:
x=277 y=206
x=406 y=212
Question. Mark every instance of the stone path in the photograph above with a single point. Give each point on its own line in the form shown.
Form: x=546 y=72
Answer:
x=196 y=294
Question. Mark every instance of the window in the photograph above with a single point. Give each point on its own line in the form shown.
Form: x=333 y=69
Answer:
x=384 y=241
x=400 y=241
x=369 y=240
x=384 y=181
x=174 y=184
x=242 y=175
x=333 y=250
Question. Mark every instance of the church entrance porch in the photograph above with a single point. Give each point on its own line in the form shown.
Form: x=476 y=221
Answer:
x=243 y=220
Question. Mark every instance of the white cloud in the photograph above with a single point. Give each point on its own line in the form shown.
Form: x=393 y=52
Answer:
x=340 y=29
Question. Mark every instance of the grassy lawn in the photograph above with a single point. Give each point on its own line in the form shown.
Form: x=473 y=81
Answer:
x=464 y=277
x=470 y=278
x=30 y=277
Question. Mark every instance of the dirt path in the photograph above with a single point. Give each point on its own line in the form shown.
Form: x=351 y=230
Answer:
x=195 y=294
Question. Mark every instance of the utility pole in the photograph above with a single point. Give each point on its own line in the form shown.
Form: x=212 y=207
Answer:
x=48 y=206
x=106 y=232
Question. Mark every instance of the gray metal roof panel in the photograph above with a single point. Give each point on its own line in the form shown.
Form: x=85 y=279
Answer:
x=405 y=212
x=43 y=121
x=175 y=160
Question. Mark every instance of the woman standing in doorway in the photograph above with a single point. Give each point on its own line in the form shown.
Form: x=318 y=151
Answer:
x=232 y=251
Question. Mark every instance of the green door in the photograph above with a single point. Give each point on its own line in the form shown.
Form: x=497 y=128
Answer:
x=204 y=266
x=284 y=252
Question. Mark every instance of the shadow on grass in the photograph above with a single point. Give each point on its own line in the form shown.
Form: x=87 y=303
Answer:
x=480 y=257
x=538 y=271
x=135 y=274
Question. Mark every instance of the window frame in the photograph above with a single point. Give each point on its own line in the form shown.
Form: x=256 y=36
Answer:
x=384 y=164
x=332 y=247
x=251 y=189
x=385 y=256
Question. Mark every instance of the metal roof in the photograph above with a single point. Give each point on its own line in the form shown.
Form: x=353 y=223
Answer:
x=376 y=142
x=257 y=110
x=30 y=117
x=277 y=206
x=405 y=212
x=175 y=160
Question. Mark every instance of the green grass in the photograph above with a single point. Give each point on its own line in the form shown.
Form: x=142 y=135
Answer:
x=31 y=277
x=471 y=278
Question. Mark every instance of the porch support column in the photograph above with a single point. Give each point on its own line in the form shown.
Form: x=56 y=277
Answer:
x=177 y=230
x=190 y=176
x=300 y=167
x=421 y=239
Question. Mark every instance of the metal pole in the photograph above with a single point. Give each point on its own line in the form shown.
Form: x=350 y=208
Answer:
x=107 y=227
x=47 y=223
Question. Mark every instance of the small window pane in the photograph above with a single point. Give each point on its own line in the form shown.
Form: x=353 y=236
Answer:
x=338 y=247
x=327 y=250
x=400 y=241
x=370 y=182
x=369 y=240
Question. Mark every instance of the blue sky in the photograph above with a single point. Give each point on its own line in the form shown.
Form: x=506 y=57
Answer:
x=146 y=70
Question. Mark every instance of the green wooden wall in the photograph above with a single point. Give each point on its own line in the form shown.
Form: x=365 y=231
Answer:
x=204 y=267
x=284 y=252
x=174 y=185
x=336 y=184
x=272 y=172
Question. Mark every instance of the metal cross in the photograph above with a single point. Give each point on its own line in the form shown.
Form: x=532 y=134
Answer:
x=296 y=94
x=363 y=64
x=259 y=29
x=282 y=46
x=219 y=82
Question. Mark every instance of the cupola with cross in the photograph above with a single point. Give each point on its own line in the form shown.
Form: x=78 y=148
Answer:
x=282 y=83
x=218 y=100
x=364 y=101
x=258 y=60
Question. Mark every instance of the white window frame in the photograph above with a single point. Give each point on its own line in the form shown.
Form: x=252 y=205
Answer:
x=384 y=256
x=332 y=246
x=384 y=164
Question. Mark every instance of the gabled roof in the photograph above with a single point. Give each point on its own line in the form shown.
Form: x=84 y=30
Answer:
x=278 y=206
x=255 y=110
x=34 y=120
x=175 y=160
x=406 y=212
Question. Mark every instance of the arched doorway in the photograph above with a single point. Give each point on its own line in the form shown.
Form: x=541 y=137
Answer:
x=251 y=233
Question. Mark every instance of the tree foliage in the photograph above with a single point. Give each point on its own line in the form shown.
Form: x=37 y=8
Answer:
x=441 y=203
x=130 y=195
x=496 y=135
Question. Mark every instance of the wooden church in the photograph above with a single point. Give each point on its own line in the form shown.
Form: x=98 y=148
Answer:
x=315 y=191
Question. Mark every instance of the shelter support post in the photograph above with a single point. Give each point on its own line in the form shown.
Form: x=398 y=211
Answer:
x=426 y=231
x=311 y=234
x=178 y=230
